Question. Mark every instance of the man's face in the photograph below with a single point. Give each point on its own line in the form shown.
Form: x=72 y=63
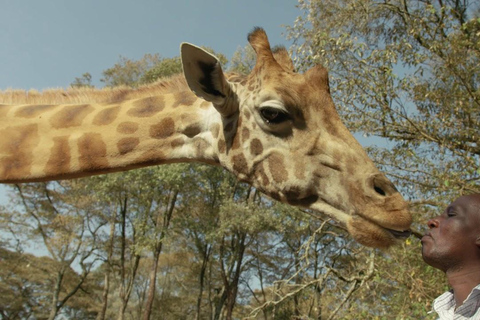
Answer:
x=453 y=237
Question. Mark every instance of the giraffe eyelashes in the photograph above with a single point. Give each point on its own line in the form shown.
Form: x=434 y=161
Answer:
x=273 y=115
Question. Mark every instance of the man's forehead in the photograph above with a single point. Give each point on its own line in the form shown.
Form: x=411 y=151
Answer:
x=470 y=203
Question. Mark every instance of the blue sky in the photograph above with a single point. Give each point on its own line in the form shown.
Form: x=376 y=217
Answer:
x=47 y=43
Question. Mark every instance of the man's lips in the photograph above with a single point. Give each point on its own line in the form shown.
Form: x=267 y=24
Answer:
x=427 y=235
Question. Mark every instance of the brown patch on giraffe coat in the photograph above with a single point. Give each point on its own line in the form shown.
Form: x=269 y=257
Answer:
x=260 y=170
x=147 y=107
x=256 y=147
x=127 y=145
x=292 y=194
x=32 y=111
x=184 y=98
x=18 y=144
x=276 y=165
x=245 y=134
x=215 y=129
x=93 y=152
x=240 y=163
x=106 y=116
x=222 y=146
x=236 y=144
x=177 y=143
x=60 y=157
x=127 y=127
x=192 y=130
x=70 y=116
x=200 y=146
x=163 y=129
x=205 y=105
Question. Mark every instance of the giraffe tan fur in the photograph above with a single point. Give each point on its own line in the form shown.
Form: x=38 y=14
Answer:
x=275 y=129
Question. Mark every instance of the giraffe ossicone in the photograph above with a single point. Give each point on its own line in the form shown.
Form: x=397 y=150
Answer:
x=275 y=129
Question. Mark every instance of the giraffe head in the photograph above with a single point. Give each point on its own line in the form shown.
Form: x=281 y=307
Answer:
x=281 y=133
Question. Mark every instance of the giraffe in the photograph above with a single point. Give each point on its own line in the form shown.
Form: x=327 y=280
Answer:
x=275 y=129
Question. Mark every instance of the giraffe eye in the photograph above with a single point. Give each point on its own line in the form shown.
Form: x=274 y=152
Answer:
x=273 y=115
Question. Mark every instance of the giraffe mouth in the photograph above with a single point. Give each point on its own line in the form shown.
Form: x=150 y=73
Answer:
x=401 y=235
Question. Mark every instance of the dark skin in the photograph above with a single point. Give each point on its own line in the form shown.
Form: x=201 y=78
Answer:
x=453 y=245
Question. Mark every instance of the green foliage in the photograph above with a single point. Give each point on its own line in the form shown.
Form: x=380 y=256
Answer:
x=243 y=60
x=407 y=73
x=129 y=72
x=85 y=81
x=165 y=68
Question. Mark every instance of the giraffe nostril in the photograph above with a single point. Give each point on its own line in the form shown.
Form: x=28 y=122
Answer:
x=379 y=190
x=382 y=186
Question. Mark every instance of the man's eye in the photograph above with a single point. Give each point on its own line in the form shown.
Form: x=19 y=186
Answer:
x=451 y=213
x=273 y=115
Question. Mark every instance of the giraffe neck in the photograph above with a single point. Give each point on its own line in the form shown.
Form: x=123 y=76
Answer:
x=60 y=141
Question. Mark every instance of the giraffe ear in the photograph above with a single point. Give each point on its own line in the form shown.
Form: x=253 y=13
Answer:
x=205 y=77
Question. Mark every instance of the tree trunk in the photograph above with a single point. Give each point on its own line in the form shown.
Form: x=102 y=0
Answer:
x=201 y=279
x=106 y=285
x=232 y=293
x=156 y=255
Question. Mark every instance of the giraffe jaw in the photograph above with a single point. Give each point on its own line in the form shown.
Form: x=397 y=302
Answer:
x=362 y=229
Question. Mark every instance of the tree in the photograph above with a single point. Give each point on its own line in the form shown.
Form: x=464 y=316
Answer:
x=405 y=75
x=67 y=233
x=405 y=71
x=129 y=72
x=85 y=81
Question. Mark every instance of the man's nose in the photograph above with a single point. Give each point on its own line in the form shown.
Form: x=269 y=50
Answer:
x=432 y=223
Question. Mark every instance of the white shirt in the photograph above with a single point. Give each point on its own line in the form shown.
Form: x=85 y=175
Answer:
x=444 y=306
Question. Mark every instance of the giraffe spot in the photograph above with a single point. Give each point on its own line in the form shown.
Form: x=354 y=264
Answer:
x=127 y=145
x=17 y=145
x=239 y=163
x=236 y=142
x=292 y=194
x=256 y=147
x=106 y=116
x=262 y=175
x=200 y=146
x=127 y=127
x=146 y=107
x=184 y=98
x=215 y=129
x=245 y=134
x=276 y=166
x=247 y=114
x=221 y=145
x=205 y=105
x=93 y=152
x=32 y=111
x=70 y=116
x=192 y=130
x=176 y=143
x=59 y=161
x=163 y=129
